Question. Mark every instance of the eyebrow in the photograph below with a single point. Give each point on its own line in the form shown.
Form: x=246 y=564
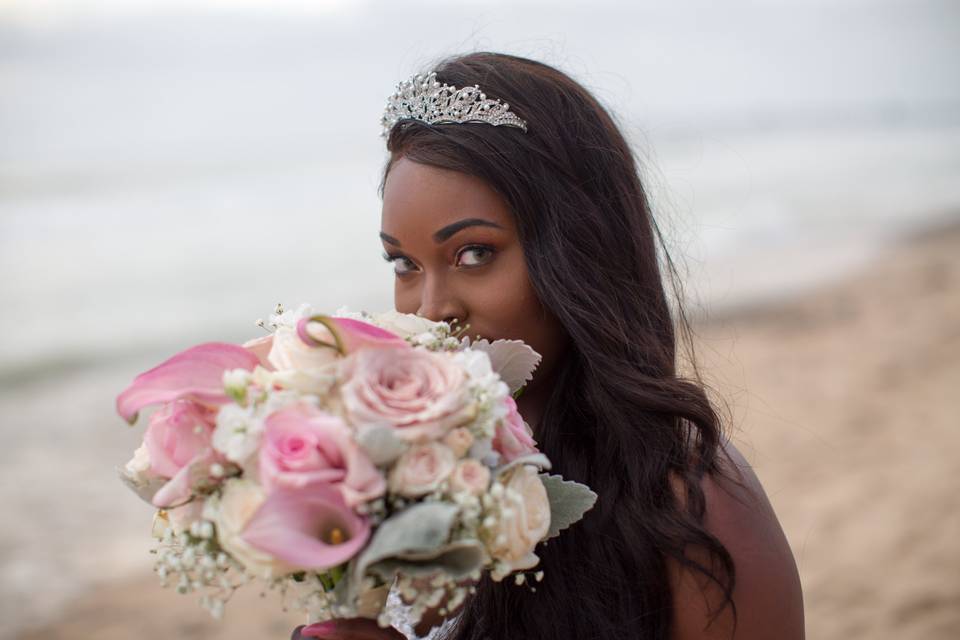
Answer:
x=447 y=232
x=389 y=239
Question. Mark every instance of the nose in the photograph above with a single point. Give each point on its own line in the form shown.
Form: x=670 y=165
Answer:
x=438 y=303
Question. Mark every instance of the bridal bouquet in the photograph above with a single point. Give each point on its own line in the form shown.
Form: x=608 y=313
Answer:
x=341 y=458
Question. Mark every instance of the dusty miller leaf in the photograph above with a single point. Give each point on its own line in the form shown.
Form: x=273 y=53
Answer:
x=458 y=559
x=568 y=502
x=381 y=444
x=513 y=360
x=420 y=529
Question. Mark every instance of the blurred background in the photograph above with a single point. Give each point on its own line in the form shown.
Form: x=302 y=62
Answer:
x=170 y=170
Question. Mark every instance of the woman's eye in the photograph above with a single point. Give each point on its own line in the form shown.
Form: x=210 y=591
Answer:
x=402 y=265
x=474 y=256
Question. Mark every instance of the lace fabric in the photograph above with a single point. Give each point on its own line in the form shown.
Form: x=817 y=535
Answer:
x=399 y=617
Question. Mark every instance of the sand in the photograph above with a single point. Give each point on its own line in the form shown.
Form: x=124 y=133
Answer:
x=847 y=401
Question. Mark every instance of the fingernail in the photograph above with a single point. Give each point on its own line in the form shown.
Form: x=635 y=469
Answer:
x=318 y=630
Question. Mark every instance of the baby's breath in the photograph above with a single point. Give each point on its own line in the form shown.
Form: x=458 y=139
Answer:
x=192 y=561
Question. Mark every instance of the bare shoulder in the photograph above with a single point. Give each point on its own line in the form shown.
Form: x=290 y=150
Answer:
x=767 y=592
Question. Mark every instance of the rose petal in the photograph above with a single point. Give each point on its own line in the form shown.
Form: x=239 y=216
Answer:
x=178 y=431
x=180 y=487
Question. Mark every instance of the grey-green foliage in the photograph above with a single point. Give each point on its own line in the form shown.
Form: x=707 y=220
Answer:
x=418 y=530
x=568 y=502
x=457 y=559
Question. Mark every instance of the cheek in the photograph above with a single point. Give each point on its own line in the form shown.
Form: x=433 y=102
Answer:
x=501 y=301
x=505 y=305
x=406 y=299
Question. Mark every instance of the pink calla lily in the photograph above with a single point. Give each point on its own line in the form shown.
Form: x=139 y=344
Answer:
x=309 y=527
x=195 y=374
x=349 y=334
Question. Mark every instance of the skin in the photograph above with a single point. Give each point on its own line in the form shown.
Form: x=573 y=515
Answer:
x=767 y=592
x=457 y=256
x=473 y=272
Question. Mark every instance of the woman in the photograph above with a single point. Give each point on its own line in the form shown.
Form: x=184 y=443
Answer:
x=534 y=225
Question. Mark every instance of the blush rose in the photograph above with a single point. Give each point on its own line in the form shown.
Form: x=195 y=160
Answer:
x=513 y=438
x=304 y=445
x=420 y=393
x=523 y=520
x=421 y=469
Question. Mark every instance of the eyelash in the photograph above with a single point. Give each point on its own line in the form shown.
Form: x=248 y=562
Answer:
x=393 y=257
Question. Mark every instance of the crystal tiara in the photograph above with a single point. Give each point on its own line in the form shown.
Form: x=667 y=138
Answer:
x=423 y=98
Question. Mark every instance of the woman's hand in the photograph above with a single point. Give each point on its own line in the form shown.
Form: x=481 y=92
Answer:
x=350 y=629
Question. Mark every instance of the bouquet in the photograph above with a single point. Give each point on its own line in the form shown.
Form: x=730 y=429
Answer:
x=344 y=458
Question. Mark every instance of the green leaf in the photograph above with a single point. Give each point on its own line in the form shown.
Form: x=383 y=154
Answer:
x=568 y=502
x=381 y=444
x=534 y=459
x=458 y=560
x=420 y=529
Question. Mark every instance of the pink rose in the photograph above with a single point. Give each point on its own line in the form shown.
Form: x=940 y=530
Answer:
x=178 y=446
x=303 y=445
x=513 y=438
x=459 y=440
x=470 y=476
x=178 y=432
x=180 y=488
x=420 y=393
x=421 y=469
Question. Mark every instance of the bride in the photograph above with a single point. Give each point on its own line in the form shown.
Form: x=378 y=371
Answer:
x=523 y=216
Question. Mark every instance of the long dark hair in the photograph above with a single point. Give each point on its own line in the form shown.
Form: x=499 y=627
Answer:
x=619 y=418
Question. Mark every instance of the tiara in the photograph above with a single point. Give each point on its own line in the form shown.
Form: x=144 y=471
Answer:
x=423 y=98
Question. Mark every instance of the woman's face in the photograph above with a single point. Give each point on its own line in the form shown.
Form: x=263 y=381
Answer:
x=456 y=254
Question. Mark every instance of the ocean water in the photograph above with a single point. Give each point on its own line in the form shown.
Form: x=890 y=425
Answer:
x=170 y=171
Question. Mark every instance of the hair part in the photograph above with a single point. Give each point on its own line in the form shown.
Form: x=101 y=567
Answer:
x=620 y=418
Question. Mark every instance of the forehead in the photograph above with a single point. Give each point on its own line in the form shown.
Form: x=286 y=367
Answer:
x=421 y=196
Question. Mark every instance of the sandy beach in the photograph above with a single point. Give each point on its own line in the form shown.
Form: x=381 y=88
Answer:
x=846 y=401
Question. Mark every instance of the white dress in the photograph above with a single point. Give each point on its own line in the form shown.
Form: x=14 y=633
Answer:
x=398 y=614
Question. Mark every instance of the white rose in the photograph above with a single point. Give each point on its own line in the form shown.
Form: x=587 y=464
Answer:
x=405 y=325
x=231 y=512
x=299 y=366
x=523 y=521
x=288 y=351
x=470 y=476
x=421 y=469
